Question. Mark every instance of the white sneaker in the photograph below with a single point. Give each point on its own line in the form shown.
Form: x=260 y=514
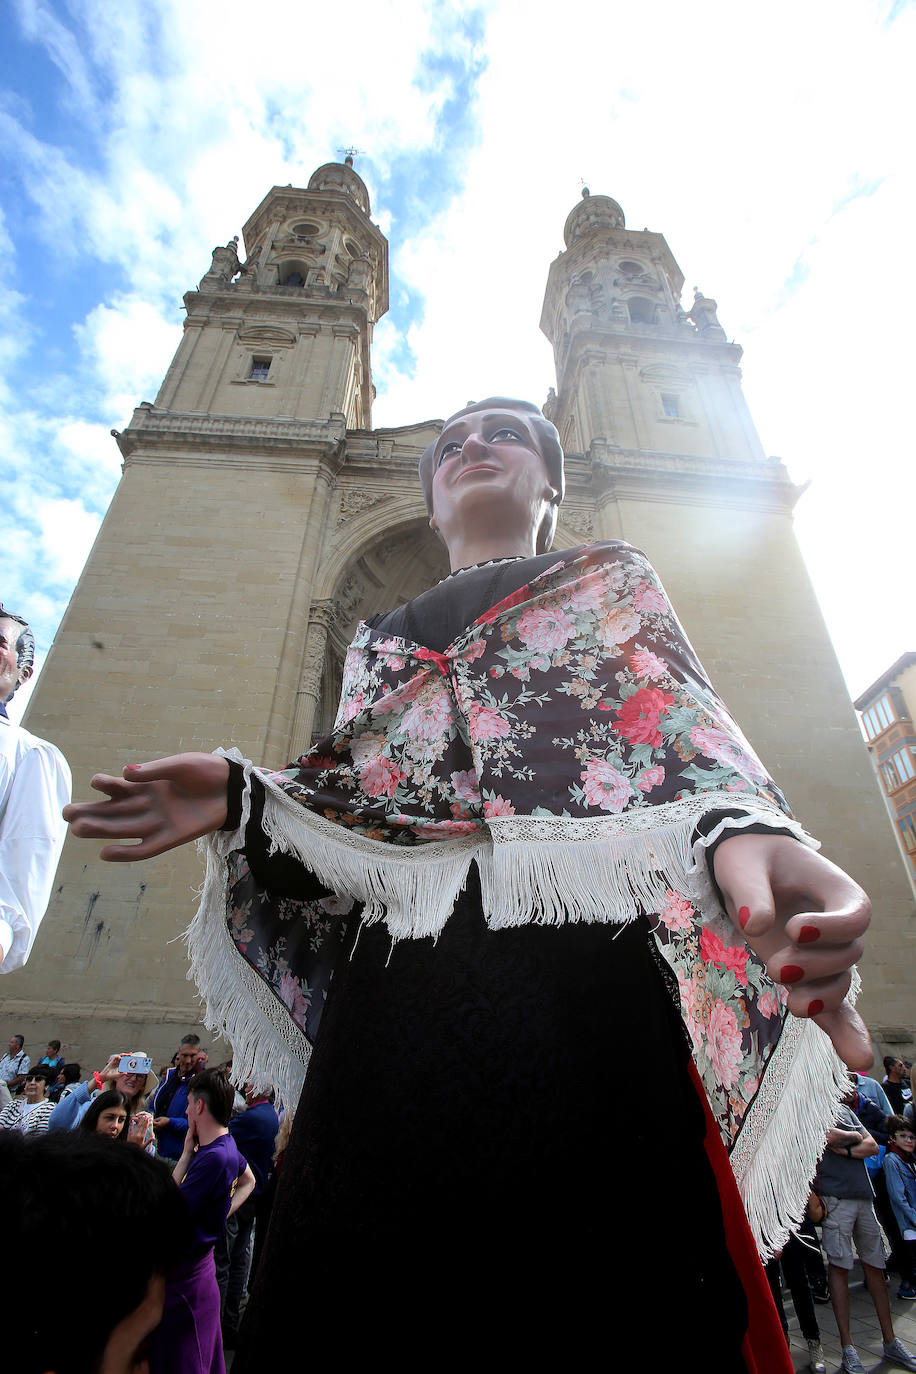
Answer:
x=897 y=1353
x=851 y=1362
x=816 y=1361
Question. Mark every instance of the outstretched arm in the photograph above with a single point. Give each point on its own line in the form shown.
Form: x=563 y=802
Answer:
x=161 y=804
x=805 y=918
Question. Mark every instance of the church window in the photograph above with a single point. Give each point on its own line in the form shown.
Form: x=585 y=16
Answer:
x=641 y=311
x=671 y=405
x=260 y=367
x=306 y=230
x=631 y=269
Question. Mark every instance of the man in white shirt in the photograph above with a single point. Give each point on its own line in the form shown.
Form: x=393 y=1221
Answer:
x=13 y=1068
x=34 y=786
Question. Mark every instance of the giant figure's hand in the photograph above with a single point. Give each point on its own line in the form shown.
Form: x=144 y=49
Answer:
x=805 y=918
x=162 y=804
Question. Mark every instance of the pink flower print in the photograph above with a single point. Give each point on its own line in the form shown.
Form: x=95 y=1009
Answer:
x=638 y=717
x=365 y=748
x=647 y=664
x=726 y=751
x=291 y=995
x=769 y=1003
x=432 y=829
x=649 y=600
x=749 y=1088
x=586 y=594
x=430 y=716
x=686 y=990
x=723 y=1043
x=649 y=778
x=620 y=623
x=484 y=722
x=393 y=661
x=465 y=786
x=473 y=651
x=498 y=806
x=677 y=913
x=539 y=664
x=604 y=786
x=547 y=631
x=353 y=708
x=380 y=778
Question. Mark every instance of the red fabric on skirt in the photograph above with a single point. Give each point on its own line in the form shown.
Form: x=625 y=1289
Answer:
x=764 y=1349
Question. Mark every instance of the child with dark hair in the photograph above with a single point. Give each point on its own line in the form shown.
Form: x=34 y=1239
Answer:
x=69 y=1075
x=214 y=1180
x=116 y=1288
x=108 y=1114
x=900 y=1177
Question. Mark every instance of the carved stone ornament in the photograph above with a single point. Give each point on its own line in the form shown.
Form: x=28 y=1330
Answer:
x=353 y=502
x=580 y=523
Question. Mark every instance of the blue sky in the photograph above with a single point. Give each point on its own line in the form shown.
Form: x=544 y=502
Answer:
x=771 y=146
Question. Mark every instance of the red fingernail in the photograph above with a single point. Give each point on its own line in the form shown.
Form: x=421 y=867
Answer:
x=791 y=973
x=815 y=1007
x=131 y=767
x=807 y=934
x=744 y=915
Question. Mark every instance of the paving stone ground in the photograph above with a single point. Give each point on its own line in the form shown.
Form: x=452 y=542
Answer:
x=866 y=1332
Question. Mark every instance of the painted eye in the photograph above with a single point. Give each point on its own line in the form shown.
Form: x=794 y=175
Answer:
x=449 y=451
x=507 y=433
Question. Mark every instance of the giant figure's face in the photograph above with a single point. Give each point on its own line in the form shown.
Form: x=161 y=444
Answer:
x=488 y=462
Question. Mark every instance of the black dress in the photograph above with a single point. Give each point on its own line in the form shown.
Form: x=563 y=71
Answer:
x=478 y=1168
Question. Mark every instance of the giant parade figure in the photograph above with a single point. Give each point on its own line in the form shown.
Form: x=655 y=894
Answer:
x=569 y=981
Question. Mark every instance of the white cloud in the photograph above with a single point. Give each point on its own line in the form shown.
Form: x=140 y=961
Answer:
x=126 y=348
x=67 y=532
x=740 y=133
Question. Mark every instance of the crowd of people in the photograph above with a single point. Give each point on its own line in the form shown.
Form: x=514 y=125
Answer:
x=218 y=1149
x=223 y=1149
x=863 y=1195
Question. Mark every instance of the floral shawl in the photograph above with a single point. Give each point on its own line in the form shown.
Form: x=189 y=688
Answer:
x=568 y=743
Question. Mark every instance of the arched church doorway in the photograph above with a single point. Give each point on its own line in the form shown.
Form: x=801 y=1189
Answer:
x=389 y=571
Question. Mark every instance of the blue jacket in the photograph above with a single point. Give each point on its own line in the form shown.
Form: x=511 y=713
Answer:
x=900 y=1178
x=71 y=1109
x=254 y=1132
x=170 y=1140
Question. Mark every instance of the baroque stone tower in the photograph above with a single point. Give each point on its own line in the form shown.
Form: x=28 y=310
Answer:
x=259 y=516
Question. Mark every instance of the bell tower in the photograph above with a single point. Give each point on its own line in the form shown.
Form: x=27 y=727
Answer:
x=200 y=617
x=662 y=452
x=635 y=371
x=288 y=332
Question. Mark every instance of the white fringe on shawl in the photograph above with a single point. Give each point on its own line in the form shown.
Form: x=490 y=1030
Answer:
x=543 y=870
x=267 y=1045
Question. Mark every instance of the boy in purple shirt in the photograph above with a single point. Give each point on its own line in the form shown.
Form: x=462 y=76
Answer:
x=214 y=1181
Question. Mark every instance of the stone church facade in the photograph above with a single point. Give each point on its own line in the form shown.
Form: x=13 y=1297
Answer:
x=260 y=515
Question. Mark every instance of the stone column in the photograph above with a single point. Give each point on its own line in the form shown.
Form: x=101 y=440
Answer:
x=308 y=693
